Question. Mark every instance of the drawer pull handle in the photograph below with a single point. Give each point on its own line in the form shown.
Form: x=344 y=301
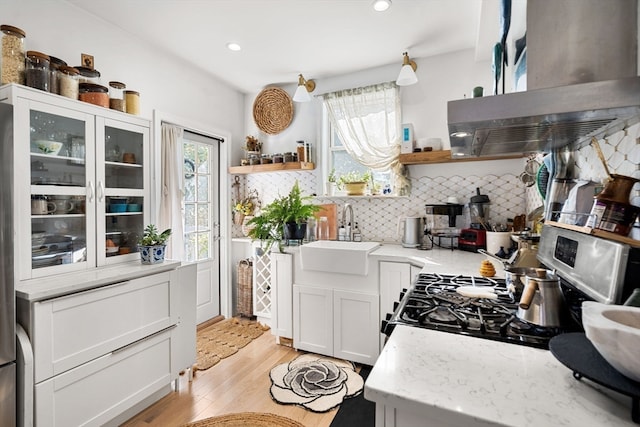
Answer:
x=148 y=337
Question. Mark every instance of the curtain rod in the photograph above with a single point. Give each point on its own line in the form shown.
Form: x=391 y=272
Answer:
x=195 y=132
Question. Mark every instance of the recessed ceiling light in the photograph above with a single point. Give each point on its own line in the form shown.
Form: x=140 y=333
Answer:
x=381 y=5
x=233 y=46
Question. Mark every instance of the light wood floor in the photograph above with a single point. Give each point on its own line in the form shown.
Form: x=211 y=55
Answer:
x=239 y=383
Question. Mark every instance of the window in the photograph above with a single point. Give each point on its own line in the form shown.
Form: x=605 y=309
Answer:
x=197 y=203
x=342 y=162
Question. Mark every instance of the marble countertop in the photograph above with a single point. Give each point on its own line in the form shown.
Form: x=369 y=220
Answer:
x=63 y=284
x=437 y=260
x=456 y=380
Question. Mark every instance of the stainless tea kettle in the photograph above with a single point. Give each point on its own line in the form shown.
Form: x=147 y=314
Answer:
x=542 y=302
x=413 y=231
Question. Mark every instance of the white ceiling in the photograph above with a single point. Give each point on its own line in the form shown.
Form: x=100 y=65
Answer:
x=318 y=38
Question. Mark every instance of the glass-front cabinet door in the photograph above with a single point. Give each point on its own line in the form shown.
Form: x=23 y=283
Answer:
x=81 y=183
x=122 y=160
x=56 y=189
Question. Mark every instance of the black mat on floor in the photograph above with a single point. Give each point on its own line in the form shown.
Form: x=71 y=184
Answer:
x=357 y=411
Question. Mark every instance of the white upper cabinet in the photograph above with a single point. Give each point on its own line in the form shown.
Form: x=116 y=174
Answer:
x=81 y=183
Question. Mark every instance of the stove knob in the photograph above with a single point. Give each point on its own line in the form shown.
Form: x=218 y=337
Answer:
x=383 y=328
x=395 y=305
x=388 y=316
x=401 y=295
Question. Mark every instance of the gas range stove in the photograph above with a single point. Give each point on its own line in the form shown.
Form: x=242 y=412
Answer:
x=433 y=302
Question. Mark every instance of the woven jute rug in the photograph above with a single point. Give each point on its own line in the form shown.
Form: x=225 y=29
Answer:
x=246 y=419
x=223 y=339
x=316 y=383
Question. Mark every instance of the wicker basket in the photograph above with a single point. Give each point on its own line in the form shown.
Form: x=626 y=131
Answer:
x=245 y=288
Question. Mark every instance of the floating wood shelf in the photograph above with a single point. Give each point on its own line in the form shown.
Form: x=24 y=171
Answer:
x=272 y=167
x=444 y=156
x=599 y=233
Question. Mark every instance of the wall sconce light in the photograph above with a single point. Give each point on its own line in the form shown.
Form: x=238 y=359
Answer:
x=407 y=74
x=304 y=88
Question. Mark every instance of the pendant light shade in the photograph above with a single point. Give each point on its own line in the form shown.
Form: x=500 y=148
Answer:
x=304 y=88
x=407 y=74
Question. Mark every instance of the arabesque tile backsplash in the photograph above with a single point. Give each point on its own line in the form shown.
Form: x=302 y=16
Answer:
x=378 y=216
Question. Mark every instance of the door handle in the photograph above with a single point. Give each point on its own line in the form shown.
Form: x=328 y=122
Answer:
x=90 y=192
x=100 y=192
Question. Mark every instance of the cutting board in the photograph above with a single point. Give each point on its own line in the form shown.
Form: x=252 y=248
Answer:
x=330 y=210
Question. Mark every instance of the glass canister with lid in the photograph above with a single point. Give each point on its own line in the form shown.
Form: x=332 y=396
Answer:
x=88 y=75
x=132 y=101
x=116 y=96
x=68 y=82
x=54 y=71
x=13 y=55
x=94 y=94
x=37 y=70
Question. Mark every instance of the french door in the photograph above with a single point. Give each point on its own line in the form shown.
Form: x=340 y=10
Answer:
x=201 y=207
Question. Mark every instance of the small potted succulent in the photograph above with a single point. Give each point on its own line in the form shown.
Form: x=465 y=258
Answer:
x=152 y=244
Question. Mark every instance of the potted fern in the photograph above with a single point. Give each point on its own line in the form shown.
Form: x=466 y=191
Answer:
x=152 y=245
x=284 y=218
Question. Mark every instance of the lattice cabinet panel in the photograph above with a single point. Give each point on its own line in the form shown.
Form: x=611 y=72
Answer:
x=261 y=282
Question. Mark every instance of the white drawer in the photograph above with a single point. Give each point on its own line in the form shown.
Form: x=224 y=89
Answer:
x=98 y=391
x=74 y=329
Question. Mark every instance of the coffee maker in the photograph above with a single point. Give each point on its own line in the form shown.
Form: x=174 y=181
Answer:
x=474 y=238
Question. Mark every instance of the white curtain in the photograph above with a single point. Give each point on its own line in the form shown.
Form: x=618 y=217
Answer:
x=172 y=190
x=368 y=122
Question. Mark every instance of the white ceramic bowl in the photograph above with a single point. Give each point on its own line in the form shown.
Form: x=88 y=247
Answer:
x=51 y=148
x=614 y=330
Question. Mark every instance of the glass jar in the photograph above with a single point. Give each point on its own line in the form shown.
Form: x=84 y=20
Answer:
x=288 y=157
x=88 y=75
x=54 y=72
x=68 y=82
x=116 y=96
x=94 y=94
x=277 y=158
x=265 y=159
x=254 y=159
x=37 y=70
x=132 y=101
x=323 y=228
x=300 y=151
x=13 y=55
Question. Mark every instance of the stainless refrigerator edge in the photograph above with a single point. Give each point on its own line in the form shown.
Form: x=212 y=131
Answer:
x=7 y=292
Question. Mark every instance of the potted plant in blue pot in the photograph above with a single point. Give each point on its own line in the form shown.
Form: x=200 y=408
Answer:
x=152 y=245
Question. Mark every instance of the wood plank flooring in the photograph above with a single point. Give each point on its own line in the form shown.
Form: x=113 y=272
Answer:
x=239 y=383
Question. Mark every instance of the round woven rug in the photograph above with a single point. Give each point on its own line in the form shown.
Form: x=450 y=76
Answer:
x=244 y=419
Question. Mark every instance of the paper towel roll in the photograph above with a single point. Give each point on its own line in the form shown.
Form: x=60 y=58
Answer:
x=497 y=239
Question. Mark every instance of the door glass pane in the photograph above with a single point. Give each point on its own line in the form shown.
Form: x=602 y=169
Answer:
x=123 y=158
x=203 y=246
x=190 y=246
x=57 y=150
x=203 y=159
x=189 y=217
x=203 y=188
x=203 y=216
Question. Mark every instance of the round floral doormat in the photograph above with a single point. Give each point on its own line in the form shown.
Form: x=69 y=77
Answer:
x=316 y=383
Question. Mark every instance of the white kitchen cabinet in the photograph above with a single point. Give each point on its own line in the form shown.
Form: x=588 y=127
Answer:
x=101 y=351
x=356 y=323
x=313 y=319
x=73 y=171
x=281 y=295
x=336 y=322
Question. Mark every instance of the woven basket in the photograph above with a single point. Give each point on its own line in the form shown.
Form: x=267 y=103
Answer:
x=273 y=110
x=245 y=288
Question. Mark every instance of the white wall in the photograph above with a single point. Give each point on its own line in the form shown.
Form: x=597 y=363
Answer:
x=58 y=28
x=440 y=79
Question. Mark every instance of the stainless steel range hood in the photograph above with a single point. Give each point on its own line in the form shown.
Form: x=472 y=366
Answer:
x=542 y=119
x=582 y=81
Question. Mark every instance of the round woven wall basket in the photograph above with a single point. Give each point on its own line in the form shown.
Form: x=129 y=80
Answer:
x=273 y=110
